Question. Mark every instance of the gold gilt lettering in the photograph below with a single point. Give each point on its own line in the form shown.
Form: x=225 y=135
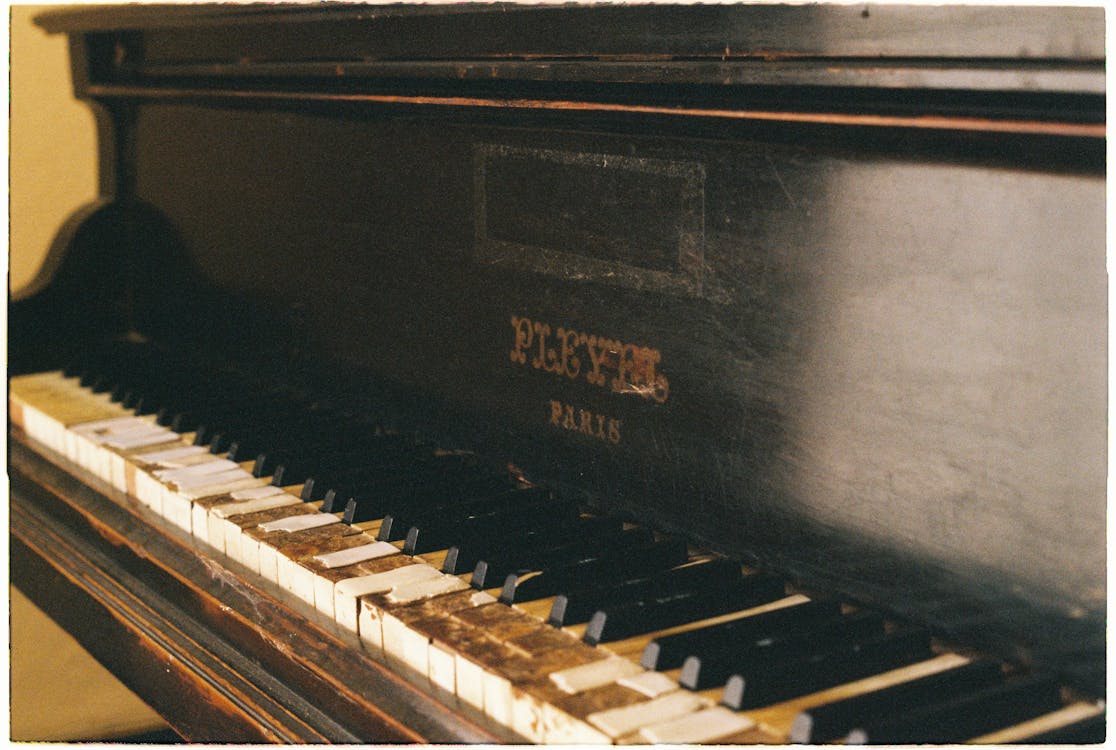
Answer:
x=571 y=364
x=596 y=358
x=587 y=423
x=523 y=338
x=621 y=367
x=542 y=331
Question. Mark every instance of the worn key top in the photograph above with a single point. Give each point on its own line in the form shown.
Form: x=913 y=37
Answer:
x=661 y=612
x=833 y=721
x=773 y=681
x=959 y=718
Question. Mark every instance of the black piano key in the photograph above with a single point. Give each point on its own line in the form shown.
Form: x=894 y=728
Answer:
x=319 y=433
x=354 y=468
x=344 y=481
x=661 y=612
x=713 y=668
x=614 y=564
x=773 y=681
x=579 y=605
x=833 y=721
x=669 y=652
x=422 y=482
x=467 y=553
x=295 y=463
x=396 y=487
x=443 y=533
x=260 y=408
x=1089 y=731
x=479 y=495
x=963 y=717
x=303 y=424
x=509 y=567
x=442 y=501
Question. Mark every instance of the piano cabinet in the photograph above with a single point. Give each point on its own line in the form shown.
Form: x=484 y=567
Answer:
x=818 y=288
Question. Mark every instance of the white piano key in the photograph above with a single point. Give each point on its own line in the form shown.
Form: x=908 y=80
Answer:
x=108 y=426
x=408 y=646
x=210 y=490
x=196 y=470
x=469 y=681
x=168 y=458
x=218 y=528
x=355 y=555
x=347 y=593
x=300 y=523
x=440 y=668
x=179 y=511
x=199 y=522
x=617 y=722
x=152 y=437
x=196 y=481
x=595 y=674
x=256 y=493
x=419 y=590
x=702 y=726
x=253 y=505
x=149 y=491
x=301 y=580
x=651 y=684
x=368 y=626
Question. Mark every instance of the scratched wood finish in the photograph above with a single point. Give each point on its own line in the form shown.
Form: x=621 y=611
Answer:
x=883 y=330
x=219 y=656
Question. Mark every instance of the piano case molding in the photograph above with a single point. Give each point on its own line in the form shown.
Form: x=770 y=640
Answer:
x=882 y=326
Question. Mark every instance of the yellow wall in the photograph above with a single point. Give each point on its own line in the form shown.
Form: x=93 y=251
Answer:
x=52 y=171
x=52 y=147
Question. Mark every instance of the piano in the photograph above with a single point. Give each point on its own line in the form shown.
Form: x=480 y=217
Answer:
x=579 y=373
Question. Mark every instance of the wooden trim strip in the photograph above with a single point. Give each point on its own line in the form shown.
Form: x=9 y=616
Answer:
x=923 y=122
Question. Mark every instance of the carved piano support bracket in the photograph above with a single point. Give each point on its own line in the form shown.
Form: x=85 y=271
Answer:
x=96 y=280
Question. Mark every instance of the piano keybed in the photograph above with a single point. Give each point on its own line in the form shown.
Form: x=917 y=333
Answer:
x=463 y=575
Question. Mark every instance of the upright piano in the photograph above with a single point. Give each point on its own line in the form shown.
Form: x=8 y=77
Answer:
x=579 y=373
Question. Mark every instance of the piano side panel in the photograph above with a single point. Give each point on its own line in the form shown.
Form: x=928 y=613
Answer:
x=882 y=371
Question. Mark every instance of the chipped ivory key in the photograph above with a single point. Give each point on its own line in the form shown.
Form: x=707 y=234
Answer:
x=413 y=592
x=698 y=727
x=617 y=722
x=594 y=674
x=300 y=523
x=355 y=555
x=651 y=684
x=347 y=593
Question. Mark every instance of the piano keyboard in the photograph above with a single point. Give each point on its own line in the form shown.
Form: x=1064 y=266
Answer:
x=563 y=627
